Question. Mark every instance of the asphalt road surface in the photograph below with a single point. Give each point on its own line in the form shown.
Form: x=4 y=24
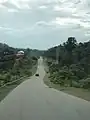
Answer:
x=33 y=100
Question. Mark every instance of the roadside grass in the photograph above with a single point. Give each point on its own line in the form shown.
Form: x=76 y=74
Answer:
x=78 y=92
x=4 y=91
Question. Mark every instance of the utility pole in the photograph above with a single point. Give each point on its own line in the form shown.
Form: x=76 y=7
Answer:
x=57 y=55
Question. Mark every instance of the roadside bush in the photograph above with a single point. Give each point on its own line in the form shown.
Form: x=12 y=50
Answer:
x=34 y=58
x=49 y=63
x=2 y=79
x=28 y=72
x=76 y=84
x=7 y=78
x=85 y=83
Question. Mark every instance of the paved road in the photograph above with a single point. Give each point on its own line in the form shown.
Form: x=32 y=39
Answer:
x=32 y=100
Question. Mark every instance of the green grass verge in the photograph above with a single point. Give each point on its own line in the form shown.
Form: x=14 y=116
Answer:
x=4 y=91
x=78 y=92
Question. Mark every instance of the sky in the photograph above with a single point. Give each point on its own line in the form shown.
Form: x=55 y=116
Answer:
x=41 y=24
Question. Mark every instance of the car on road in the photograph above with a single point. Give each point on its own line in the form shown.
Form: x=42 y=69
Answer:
x=37 y=74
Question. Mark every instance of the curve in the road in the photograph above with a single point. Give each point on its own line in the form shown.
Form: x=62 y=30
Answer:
x=33 y=100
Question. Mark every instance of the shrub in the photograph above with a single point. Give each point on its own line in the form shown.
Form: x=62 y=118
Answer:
x=85 y=83
x=7 y=77
x=27 y=72
x=76 y=84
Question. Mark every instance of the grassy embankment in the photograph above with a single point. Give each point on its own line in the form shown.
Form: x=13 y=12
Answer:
x=19 y=73
x=78 y=92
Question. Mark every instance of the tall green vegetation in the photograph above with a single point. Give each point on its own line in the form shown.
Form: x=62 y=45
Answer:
x=12 y=67
x=74 y=64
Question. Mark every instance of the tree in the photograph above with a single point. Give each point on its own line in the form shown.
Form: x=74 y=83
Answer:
x=72 y=55
x=70 y=44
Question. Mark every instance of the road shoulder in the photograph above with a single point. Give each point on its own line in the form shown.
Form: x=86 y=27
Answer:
x=78 y=92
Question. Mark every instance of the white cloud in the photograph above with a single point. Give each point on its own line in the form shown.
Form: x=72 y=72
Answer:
x=40 y=17
x=42 y=7
x=64 y=9
x=2 y=6
x=12 y=10
x=43 y=23
x=2 y=1
x=5 y=28
x=19 y=4
x=72 y=23
x=66 y=21
x=10 y=30
x=87 y=34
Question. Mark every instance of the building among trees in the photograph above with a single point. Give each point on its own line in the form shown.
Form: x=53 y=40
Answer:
x=20 y=54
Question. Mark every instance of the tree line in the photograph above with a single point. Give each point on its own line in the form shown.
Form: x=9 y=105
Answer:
x=73 y=68
x=11 y=67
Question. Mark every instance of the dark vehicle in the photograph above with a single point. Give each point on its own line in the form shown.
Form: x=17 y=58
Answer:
x=37 y=75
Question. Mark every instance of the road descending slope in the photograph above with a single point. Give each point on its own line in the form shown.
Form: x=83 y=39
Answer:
x=33 y=100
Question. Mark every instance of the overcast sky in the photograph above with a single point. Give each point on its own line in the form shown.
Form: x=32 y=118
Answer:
x=43 y=23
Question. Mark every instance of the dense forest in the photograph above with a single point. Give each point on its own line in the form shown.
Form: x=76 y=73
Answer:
x=73 y=67
x=13 y=67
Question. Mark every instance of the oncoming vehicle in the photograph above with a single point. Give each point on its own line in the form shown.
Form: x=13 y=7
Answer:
x=37 y=74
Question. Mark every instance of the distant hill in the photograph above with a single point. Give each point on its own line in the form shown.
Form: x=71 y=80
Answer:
x=36 y=52
x=8 y=54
